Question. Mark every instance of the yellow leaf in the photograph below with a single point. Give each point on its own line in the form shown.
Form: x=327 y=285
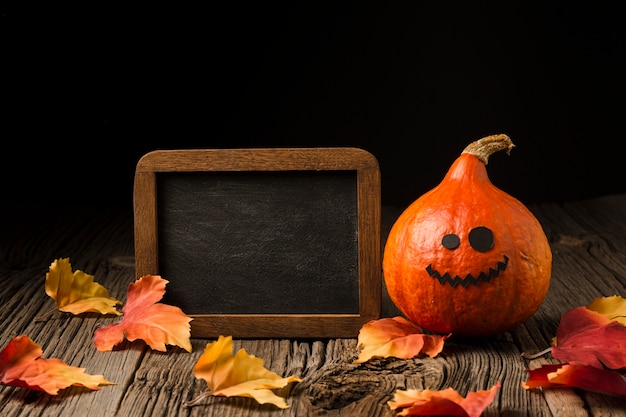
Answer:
x=241 y=375
x=76 y=292
x=613 y=307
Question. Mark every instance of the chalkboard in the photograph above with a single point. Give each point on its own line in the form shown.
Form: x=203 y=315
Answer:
x=281 y=242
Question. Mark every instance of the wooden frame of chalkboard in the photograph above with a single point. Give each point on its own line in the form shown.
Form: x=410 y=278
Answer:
x=269 y=242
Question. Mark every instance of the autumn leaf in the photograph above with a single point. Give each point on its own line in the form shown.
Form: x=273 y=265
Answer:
x=144 y=318
x=21 y=365
x=577 y=375
x=613 y=307
x=396 y=337
x=447 y=402
x=76 y=292
x=590 y=338
x=591 y=343
x=239 y=375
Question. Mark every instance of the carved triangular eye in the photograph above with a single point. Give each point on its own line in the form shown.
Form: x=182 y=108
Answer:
x=450 y=241
x=481 y=238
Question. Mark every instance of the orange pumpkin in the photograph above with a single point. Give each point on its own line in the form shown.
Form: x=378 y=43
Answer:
x=467 y=258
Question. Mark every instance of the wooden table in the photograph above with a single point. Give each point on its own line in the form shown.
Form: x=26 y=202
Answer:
x=588 y=240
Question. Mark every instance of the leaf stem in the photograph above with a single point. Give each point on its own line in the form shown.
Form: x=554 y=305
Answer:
x=196 y=400
x=45 y=316
x=536 y=355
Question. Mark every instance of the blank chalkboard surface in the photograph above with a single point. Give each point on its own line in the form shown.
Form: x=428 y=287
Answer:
x=263 y=242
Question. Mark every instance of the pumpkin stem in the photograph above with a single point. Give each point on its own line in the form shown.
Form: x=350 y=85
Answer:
x=485 y=147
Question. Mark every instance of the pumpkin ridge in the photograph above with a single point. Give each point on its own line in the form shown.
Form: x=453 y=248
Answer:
x=469 y=279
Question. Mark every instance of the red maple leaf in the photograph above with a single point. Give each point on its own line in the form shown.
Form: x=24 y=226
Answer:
x=592 y=346
x=143 y=318
x=590 y=338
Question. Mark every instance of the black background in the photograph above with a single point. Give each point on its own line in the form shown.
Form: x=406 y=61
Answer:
x=89 y=89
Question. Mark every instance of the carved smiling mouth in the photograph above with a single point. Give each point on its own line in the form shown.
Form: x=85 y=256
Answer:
x=469 y=279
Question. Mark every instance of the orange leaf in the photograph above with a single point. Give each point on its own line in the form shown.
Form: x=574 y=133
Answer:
x=447 y=402
x=577 y=375
x=143 y=318
x=21 y=365
x=76 y=292
x=538 y=378
x=396 y=337
x=588 y=337
x=241 y=375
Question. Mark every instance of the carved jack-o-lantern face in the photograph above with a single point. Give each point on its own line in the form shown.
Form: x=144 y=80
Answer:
x=466 y=258
x=480 y=239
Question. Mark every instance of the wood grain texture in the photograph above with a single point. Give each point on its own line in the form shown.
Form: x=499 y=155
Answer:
x=589 y=246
